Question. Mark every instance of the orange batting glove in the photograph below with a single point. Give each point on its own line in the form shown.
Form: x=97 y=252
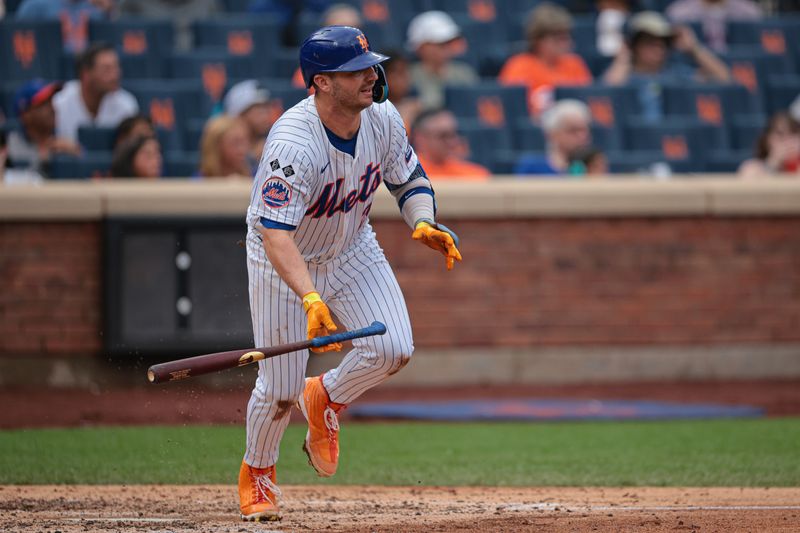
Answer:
x=440 y=238
x=320 y=322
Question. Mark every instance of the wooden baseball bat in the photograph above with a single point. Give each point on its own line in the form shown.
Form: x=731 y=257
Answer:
x=213 y=362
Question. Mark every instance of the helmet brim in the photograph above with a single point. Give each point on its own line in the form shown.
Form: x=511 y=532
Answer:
x=360 y=62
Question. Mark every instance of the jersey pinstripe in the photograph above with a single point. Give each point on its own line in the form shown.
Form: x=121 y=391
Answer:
x=328 y=193
x=323 y=197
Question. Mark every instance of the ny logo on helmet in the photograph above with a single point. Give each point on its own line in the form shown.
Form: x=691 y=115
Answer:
x=362 y=40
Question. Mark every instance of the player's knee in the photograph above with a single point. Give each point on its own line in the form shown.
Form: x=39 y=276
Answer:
x=397 y=355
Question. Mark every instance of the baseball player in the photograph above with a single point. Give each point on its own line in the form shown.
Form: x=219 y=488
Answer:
x=311 y=250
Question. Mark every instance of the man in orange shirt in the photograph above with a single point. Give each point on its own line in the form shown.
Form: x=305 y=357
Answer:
x=549 y=61
x=440 y=149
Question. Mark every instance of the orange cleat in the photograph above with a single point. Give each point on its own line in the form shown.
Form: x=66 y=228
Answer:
x=322 y=439
x=258 y=494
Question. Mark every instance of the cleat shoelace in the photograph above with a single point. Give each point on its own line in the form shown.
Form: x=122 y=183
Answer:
x=265 y=487
x=332 y=423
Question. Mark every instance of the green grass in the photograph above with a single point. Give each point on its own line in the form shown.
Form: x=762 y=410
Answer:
x=694 y=453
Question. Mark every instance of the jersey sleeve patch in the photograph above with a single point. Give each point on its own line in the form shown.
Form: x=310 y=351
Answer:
x=276 y=193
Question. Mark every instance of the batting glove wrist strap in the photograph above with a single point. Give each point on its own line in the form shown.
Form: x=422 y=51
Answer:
x=309 y=298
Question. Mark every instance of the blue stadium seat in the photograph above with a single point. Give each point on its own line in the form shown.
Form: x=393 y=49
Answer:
x=775 y=36
x=180 y=164
x=143 y=43
x=711 y=103
x=726 y=161
x=97 y=139
x=192 y=133
x=677 y=139
x=485 y=141
x=30 y=49
x=750 y=66
x=285 y=62
x=482 y=11
x=527 y=137
x=214 y=70
x=482 y=38
x=236 y=6
x=781 y=92
x=649 y=162
x=89 y=165
x=241 y=35
x=584 y=35
x=609 y=105
x=492 y=104
x=744 y=130
x=381 y=37
x=389 y=12
x=170 y=103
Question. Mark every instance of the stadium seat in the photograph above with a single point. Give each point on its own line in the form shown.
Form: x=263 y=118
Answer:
x=97 y=139
x=485 y=141
x=283 y=92
x=775 y=36
x=609 y=105
x=382 y=37
x=482 y=11
x=89 y=165
x=648 y=162
x=170 y=103
x=677 y=139
x=750 y=66
x=492 y=104
x=213 y=70
x=744 y=130
x=236 y=6
x=384 y=12
x=710 y=103
x=192 y=133
x=482 y=38
x=781 y=92
x=180 y=164
x=726 y=161
x=143 y=43
x=240 y=35
x=584 y=35
x=527 y=137
x=30 y=49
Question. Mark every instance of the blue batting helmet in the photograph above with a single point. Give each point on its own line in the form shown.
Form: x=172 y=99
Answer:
x=341 y=49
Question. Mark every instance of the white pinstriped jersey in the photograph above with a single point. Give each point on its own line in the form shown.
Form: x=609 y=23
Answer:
x=304 y=182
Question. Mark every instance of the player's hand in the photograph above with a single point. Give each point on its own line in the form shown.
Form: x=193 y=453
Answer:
x=439 y=238
x=320 y=322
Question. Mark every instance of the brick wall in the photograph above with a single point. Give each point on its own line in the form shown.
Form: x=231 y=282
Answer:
x=522 y=283
x=50 y=288
x=605 y=281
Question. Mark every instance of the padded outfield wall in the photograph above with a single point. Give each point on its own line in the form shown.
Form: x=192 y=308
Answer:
x=561 y=282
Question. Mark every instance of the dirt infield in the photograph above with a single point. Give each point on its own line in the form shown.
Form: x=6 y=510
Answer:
x=200 y=509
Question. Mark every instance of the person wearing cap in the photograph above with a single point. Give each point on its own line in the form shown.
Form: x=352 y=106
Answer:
x=95 y=98
x=645 y=60
x=549 y=61
x=436 y=39
x=251 y=102
x=33 y=145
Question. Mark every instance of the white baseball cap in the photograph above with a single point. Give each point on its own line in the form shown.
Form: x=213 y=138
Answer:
x=432 y=27
x=243 y=95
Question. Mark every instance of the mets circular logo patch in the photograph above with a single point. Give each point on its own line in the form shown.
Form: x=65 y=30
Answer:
x=276 y=193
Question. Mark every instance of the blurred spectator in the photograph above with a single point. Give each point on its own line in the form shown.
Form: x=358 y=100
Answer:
x=135 y=126
x=95 y=98
x=587 y=161
x=73 y=14
x=794 y=109
x=398 y=76
x=611 y=18
x=436 y=39
x=14 y=176
x=567 y=129
x=777 y=149
x=182 y=13
x=439 y=147
x=645 y=61
x=137 y=157
x=714 y=15
x=335 y=15
x=251 y=102
x=35 y=143
x=224 y=147
x=549 y=61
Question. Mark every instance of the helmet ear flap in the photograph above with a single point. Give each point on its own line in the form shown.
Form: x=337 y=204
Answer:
x=380 y=91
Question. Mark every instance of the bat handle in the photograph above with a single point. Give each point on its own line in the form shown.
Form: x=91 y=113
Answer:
x=376 y=328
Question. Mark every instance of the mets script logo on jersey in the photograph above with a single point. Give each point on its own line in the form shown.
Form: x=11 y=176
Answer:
x=276 y=193
x=332 y=201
